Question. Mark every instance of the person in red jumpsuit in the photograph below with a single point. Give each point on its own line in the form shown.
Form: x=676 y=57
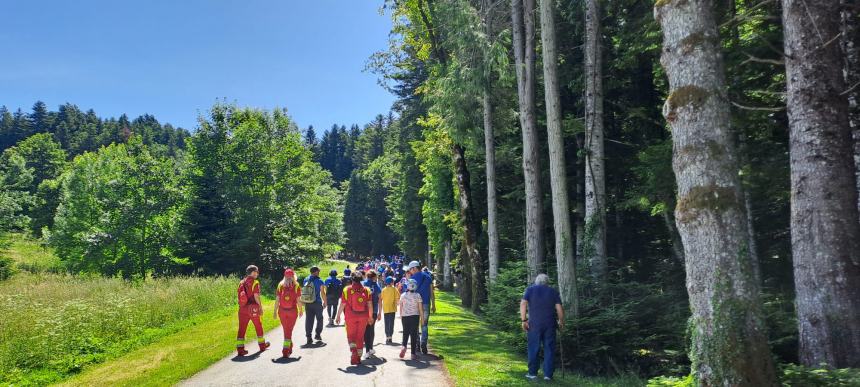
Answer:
x=357 y=305
x=288 y=308
x=250 y=309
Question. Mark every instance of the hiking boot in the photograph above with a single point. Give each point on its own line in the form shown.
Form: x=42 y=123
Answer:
x=241 y=351
x=264 y=346
x=402 y=352
x=424 y=348
x=355 y=360
x=286 y=352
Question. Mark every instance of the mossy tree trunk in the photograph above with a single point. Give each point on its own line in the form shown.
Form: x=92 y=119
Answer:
x=447 y=282
x=729 y=343
x=595 y=177
x=523 y=25
x=825 y=230
x=474 y=273
x=564 y=242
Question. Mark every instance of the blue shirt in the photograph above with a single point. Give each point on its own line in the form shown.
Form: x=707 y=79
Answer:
x=542 y=301
x=317 y=284
x=331 y=285
x=375 y=290
x=423 y=282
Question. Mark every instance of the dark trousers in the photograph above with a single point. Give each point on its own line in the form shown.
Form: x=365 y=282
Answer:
x=369 y=335
x=389 y=324
x=410 y=330
x=332 y=309
x=542 y=335
x=314 y=311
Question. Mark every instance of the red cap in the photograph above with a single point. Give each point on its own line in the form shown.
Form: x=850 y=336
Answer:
x=289 y=273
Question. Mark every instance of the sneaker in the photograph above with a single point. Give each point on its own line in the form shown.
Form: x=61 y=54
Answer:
x=388 y=341
x=547 y=378
x=355 y=360
x=264 y=346
x=424 y=348
x=531 y=377
x=309 y=341
x=402 y=352
x=414 y=356
x=318 y=337
x=243 y=352
x=371 y=352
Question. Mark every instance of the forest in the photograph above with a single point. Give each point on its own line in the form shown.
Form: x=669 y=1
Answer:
x=686 y=171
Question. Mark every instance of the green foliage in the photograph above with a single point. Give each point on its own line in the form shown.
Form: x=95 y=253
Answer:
x=30 y=255
x=671 y=381
x=54 y=325
x=15 y=197
x=799 y=376
x=6 y=269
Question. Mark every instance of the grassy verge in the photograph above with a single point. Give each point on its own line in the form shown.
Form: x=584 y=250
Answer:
x=29 y=254
x=207 y=339
x=475 y=356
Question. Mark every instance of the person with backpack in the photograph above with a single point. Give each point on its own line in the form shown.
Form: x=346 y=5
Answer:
x=250 y=309
x=411 y=315
x=390 y=299
x=314 y=298
x=370 y=331
x=356 y=306
x=333 y=288
x=288 y=308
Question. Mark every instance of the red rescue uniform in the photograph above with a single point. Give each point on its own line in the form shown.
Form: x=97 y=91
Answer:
x=288 y=312
x=357 y=313
x=251 y=311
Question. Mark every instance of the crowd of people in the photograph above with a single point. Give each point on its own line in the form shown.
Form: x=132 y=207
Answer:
x=374 y=290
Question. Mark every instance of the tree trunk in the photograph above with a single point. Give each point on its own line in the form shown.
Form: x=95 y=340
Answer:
x=579 y=202
x=522 y=14
x=475 y=275
x=729 y=343
x=850 y=40
x=430 y=259
x=677 y=245
x=446 y=267
x=564 y=243
x=595 y=187
x=490 y=150
x=825 y=232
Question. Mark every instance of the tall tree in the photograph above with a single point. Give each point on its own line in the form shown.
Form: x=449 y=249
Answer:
x=825 y=230
x=489 y=141
x=564 y=243
x=595 y=178
x=523 y=25
x=850 y=40
x=729 y=344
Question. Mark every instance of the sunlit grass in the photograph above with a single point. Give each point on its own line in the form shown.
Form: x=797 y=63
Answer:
x=29 y=254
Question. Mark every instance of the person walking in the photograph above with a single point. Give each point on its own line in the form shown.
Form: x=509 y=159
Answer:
x=288 y=308
x=411 y=315
x=356 y=306
x=370 y=331
x=545 y=315
x=314 y=298
x=424 y=288
x=333 y=288
x=390 y=299
x=250 y=309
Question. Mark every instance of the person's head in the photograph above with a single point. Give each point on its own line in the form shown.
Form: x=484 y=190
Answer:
x=413 y=267
x=389 y=281
x=411 y=285
x=541 y=279
x=315 y=271
x=332 y=273
x=289 y=276
x=252 y=271
x=371 y=275
x=356 y=278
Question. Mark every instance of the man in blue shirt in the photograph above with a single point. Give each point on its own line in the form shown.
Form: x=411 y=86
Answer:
x=428 y=297
x=333 y=287
x=370 y=331
x=314 y=310
x=545 y=315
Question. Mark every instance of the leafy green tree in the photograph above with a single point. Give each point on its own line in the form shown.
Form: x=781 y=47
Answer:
x=45 y=159
x=15 y=180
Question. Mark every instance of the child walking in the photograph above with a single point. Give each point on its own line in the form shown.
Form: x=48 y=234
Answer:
x=390 y=298
x=411 y=315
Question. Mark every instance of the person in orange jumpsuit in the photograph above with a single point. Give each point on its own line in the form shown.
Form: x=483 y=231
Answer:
x=357 y=305
x=288 y=308
x=250 y=309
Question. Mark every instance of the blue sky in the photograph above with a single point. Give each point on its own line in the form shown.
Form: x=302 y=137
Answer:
x=175 y=58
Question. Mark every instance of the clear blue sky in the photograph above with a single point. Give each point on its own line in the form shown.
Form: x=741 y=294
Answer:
x=175 y=58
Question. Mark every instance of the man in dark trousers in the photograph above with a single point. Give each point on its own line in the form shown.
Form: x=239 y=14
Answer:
x=314 y=309
x=545 y=315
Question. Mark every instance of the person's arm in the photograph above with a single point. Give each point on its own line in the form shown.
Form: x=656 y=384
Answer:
x=370 y=310
x=559 y=311
x=323 y=295
x=432 y=297
x=523 y=306
x=421 y=315
x=257 y=297
x=275 y=308
x=339 y=312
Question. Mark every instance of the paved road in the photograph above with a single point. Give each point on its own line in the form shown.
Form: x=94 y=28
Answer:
x=325 y=365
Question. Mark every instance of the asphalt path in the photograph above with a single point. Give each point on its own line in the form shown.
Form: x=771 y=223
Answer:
x=323 y=364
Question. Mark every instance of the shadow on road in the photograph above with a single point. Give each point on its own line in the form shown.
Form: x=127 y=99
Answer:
x=242 y=359
x=374 y=361
x=358 y=370
x=417 y=364
x=286 y=360
x=318 y=344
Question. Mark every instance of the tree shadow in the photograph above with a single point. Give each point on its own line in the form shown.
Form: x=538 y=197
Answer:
x=360 y=369
x=286 y=360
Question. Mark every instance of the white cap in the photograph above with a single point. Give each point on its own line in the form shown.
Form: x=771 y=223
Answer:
x=411 y=265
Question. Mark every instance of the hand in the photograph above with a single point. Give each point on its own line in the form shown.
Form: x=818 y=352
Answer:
x=370 y=321
x=324 y=304
x=433 y=308
x=561 y=326
x=337 y=320
x=525 y=325
x=301 y=313
x=379 y=317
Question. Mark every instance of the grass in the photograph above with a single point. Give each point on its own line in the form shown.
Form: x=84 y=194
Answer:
x=29 y=254
x=475 y=356
x=175 y=357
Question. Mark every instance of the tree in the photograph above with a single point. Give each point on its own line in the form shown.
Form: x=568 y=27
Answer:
x=564 y=242
x=729 y=345
x=825 y=231
x=595 y=178
x=15 y=181
x=45 y=160
x=522 y=15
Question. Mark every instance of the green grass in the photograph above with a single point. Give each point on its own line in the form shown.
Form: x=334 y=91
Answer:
x=207 y=339
x=29 y=254
x=475 y=356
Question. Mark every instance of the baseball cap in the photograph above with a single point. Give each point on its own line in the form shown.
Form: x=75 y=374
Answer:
x=411 y=265
x=389 y=280
x=289 y=273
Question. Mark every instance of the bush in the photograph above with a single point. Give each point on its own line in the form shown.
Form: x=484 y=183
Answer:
x=5 y=268
x=671 y=381
x=56 y=324
x=799 y=376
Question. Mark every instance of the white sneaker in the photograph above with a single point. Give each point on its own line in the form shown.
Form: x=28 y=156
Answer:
x=531 y=377
x=371 y=352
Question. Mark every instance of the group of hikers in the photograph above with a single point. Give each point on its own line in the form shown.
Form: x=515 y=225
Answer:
x=375 y=290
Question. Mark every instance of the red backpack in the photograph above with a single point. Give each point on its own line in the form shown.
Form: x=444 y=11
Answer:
x=357 y=298
x=244 y=294
x=289 y=297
